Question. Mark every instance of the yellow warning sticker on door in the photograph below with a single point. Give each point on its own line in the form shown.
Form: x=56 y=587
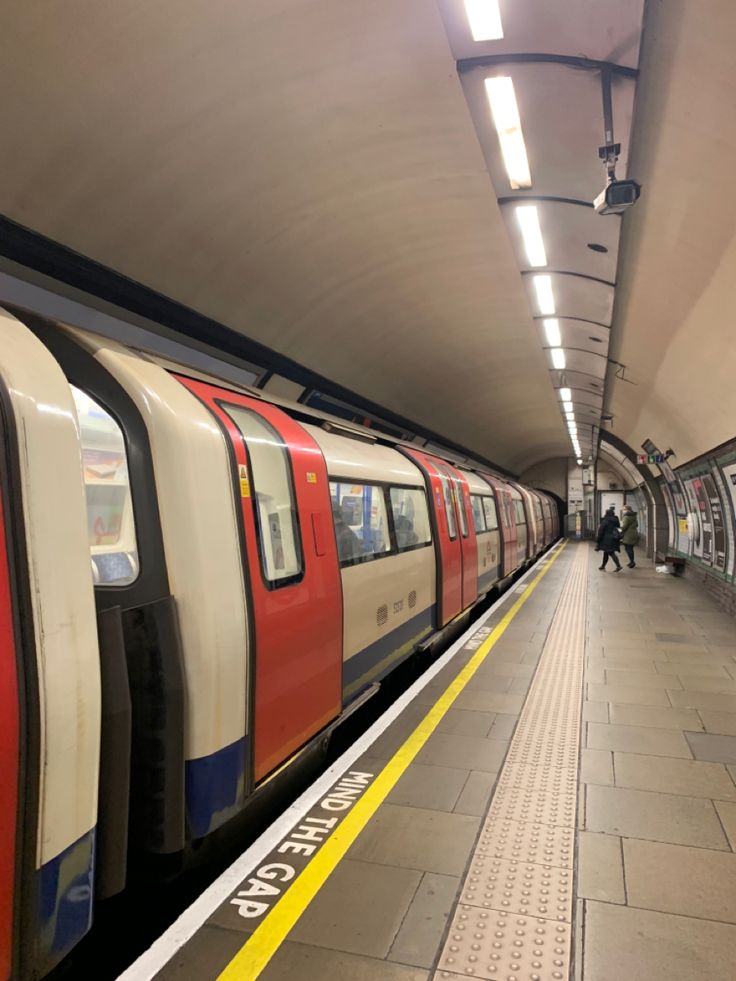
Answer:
x=311 y=477
x=244 y=482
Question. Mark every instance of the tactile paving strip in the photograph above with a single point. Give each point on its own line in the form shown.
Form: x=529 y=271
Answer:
x=515 y=921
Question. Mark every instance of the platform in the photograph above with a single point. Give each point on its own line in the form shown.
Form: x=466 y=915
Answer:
x=558 y=801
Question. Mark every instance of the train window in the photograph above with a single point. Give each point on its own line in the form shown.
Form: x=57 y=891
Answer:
x=489 y=509
x=411 y=517
x=449 y=508
x=479 y=521
x=361 y=523
x=519 y=510
x=110 y=521
x=273 y=497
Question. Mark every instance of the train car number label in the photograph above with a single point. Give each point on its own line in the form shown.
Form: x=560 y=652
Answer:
x=311 y=477
x=260 y=890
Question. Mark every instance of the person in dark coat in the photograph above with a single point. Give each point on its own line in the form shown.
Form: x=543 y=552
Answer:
x=629 y=533
x=609 y=534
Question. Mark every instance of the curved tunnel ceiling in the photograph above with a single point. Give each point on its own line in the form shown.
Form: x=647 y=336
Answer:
x=325 y=178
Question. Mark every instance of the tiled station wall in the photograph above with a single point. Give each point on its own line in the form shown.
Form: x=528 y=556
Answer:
x=701 y=508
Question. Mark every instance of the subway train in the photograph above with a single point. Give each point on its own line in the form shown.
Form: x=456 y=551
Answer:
x=197 y=583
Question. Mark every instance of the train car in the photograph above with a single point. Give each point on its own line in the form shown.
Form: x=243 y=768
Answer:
x=196 y=584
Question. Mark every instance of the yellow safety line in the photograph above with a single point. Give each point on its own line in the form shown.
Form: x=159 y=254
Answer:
x=266 y=939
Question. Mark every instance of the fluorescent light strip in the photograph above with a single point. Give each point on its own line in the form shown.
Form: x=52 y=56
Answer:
x=558 y=358
x=545 y=296
x=552 y=331
x=528 y=218
x=567 y=406
x=505 y=112
x=565 y=394
x=484 y=18
x=570 y=416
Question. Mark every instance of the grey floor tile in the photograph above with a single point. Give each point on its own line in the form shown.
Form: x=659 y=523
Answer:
x=638 y=739
x=600 y=867
x=461 y=723
x=595 y=711
x=412 y=838
x=704 y=699
x=720 y=723
x=702 y=682
x=687 y=881
x=685 y=670
x=436 y=788
x=463 y=752
x=359 y=909
x=727 y=814
x=487 y=682
x=627 y=694
x=489 y=701
x=476 y=794
x=689 y=778
x=670 y=638
x=623 y=944
x=655 y=717
x=419 y=938
x=204 y=957
x=596 y=766
x=657 y=817
x=641 y=679
x=299 y=962
x=508 y=670
x=503 y=727
x=625 y=662
x=718 y=749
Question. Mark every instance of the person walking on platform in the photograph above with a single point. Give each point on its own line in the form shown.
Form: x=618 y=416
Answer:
x=629 y=533
x=609 y=534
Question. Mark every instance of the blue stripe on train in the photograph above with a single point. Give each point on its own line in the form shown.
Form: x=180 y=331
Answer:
x=487 y=579
x=374 y=661
x=214 y=787
x=65 y=897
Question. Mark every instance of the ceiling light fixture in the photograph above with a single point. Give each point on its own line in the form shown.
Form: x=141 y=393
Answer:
x=558 y=358
x=552 y=332
x=528 y=218
x=565 y=394
x=567 y=406
x=484 y=18
x=570 y=416
x=505 y=111
x=545 y=296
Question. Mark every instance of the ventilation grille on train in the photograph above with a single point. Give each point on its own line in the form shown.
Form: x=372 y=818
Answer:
x=382 y=615
x=413 y=598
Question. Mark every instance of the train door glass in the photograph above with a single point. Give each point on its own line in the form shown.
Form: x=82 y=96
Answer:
x=461 y=507
x=411 y=517
x=110 y=519
x=449 y=507
x=273 y=498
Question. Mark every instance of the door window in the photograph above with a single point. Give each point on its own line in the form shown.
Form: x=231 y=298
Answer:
x=449 y=507
x=110 y=520
x=277 y=524
x=411 y=518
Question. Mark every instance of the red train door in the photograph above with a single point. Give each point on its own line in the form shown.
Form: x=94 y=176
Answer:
x=468 y=543
x=448 y=550
x=295 y=587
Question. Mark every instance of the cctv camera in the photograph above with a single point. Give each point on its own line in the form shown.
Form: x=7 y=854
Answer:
x=617 y=197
